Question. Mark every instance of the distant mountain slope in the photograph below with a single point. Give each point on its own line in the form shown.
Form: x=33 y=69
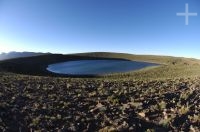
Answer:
x=170 y=66
x=11 y=55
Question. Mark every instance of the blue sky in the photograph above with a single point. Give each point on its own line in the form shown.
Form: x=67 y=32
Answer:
x=71 y=26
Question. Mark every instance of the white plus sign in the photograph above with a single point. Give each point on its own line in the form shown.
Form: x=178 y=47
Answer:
x=186 y=14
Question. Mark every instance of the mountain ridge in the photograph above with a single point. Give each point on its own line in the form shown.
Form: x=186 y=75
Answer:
x=14 y=54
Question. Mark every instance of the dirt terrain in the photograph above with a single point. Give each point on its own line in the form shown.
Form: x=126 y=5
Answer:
x=30 y=103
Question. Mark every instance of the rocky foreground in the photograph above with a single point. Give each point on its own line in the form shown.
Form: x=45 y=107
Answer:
x=30 y=103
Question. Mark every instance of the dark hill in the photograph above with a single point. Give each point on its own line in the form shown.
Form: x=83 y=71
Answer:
x=36 y=65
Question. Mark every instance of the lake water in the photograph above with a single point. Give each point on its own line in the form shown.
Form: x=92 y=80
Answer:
x=97 y=67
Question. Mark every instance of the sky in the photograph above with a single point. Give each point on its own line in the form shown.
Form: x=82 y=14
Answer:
x=74 y=26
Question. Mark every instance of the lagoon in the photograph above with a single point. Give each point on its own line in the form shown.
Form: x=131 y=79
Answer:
x=97 y=67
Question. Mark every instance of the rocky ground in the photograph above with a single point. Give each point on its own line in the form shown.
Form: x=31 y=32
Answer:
x=30 y=103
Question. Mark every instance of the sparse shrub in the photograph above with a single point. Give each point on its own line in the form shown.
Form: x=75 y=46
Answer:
x=183 y=110
x=162 y=105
